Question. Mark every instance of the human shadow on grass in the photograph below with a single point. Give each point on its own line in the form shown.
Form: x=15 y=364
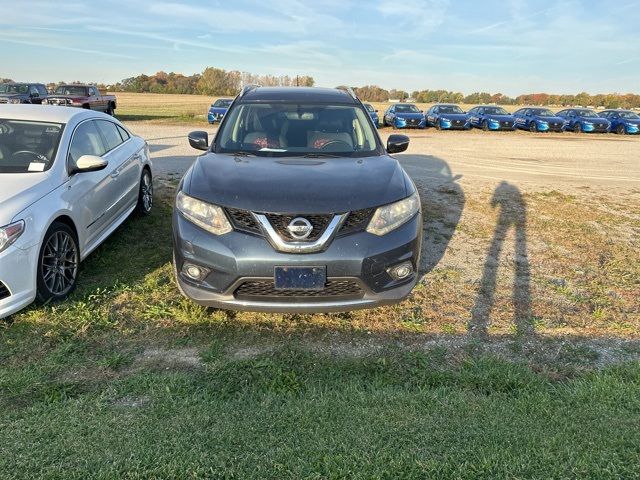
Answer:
x=513 y=214
x=443 y=201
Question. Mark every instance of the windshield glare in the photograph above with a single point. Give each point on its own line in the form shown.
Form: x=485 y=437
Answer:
x=407 y=109
x=495 y=111
x=450 y=109
x=586 y=113
x=27 y=146
x=292 y=129
x=543 y=112
x=222 y=103
x=12 y=88
x=70 y=90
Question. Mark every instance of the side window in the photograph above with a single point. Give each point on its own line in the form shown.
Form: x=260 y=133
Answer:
x=92 y=91
x=123 y=133
x=86 y=141
x=33 y=90
x=42 y=90
x=110 y=134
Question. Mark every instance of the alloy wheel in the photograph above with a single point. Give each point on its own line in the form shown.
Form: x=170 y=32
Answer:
x=59 y=264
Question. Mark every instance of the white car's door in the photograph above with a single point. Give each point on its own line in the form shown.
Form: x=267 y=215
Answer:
x=92 y=194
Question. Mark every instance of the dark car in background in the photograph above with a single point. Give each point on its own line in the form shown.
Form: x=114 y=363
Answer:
x=404 y=115
x=373 y=113
x=491 y=118
x=218 y=110
x=584 y=120
x=22 y=93
x=446 y=116
x=296 y=205
x=82 y=96
x=623 y=122
x=537 y=119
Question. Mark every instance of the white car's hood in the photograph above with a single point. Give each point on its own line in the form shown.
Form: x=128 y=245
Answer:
x=19 y=190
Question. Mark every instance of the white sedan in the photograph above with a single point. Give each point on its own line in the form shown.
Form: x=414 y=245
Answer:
x=68 y=178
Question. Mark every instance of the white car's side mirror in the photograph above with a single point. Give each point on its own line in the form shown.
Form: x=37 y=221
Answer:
x=90 y=163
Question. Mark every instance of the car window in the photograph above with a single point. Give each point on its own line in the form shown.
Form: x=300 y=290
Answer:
x=33 y=90
x=28 y=146
x=123 y=133
x=86 y=141
x=42 y=90
x=110 y=133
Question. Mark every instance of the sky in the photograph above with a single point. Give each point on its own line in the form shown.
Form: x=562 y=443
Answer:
x=506 y=46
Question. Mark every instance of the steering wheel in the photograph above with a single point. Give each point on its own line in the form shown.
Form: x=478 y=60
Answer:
x=337 y=142
x=30 y=153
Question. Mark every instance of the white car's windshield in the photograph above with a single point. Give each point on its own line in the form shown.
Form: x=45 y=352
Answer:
x=294 y=129
x=27 y=146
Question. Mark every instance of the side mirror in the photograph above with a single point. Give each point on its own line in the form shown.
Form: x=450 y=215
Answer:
x=90 y=163
x=397 y=143
x=376 y=111
x=199 y=140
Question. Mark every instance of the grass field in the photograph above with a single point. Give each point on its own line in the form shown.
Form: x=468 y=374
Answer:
x=128 y=379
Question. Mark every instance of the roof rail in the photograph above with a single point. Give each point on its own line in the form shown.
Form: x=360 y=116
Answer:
x=350 y=91
x=247 y=88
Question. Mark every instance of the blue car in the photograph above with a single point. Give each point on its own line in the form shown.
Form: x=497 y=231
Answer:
x=491 y=118
x=447 y=117
x=622 y=121
x=538 y=120
x=404 y=115
x=373 y=113
x=219 y=109
x=584 y=120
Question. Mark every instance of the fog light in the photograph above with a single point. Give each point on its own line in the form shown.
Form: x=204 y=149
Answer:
x=194 y=272
x=401 y=271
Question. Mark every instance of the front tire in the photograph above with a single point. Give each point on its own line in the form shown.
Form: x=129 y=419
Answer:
x=110 y=111
x=145 y=194
x=57 y=263
x=621 y=130
x=533 y=127
x=577 y=128
x=485 y=126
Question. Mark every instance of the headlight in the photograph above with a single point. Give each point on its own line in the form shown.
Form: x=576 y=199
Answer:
x=203 y=214
x=15 y=100
x=392 y=216
x=10 y=234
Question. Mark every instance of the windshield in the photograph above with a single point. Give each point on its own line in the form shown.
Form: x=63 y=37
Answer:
x=543 y=112
x=407 y=109
x=586 y=113
x=71 y=90
x=14 y=88
x=27 y=146
x=450 y=109
x=293 y=129
x=222 y=103
x=369 y=107
x=495 y=111
x=629 y=115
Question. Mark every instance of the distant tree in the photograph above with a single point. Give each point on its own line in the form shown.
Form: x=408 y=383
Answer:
x=372 y=93
x=398 y=95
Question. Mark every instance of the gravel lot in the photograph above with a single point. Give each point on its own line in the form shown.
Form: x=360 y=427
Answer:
x=565 y=162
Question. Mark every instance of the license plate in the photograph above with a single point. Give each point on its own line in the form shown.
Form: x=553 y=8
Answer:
x=300 y=278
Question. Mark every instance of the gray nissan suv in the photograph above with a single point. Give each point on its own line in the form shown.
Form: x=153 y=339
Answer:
x=296 y=206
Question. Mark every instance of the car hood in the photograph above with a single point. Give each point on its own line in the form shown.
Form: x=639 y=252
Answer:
x=453 y=116
x=19 y=190
x=296 y=185
x=501 y=118
x=410 y=115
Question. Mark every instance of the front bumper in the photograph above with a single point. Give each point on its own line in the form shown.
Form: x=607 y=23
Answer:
x=238 y=259
x=214 y=117
x=17 y=275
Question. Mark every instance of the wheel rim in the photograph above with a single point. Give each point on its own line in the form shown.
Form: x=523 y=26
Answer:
x=621 y=130
x=146 y=192
x=577 y=128
x=60 y=263
x=532 y=127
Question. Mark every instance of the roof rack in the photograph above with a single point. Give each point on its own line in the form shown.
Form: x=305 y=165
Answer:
x=350 y=91
x=247 y=88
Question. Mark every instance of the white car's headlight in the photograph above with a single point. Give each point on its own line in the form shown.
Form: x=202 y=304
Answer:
x=10 y=234
x=203 y=214
x=392 y=216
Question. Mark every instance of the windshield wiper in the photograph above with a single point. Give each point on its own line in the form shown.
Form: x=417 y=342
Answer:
x=241 y=153
x=321 y=155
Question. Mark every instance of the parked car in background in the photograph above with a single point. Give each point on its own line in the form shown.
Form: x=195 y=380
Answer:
x=491 y=118
x=218 y=110
x=445 y=116
x=68 y=179
x=584 y=120
x=404 y=115
x=22 y=93
x=336 y=227
x=537 y=119
x=373 y=113
x=82 y=96
x=622 y=121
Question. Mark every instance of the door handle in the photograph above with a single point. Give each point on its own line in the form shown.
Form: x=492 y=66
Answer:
x=115 y=174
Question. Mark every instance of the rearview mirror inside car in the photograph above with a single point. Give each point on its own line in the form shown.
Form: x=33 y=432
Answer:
x=199 y=140
x=89 y=163
x=397 y=143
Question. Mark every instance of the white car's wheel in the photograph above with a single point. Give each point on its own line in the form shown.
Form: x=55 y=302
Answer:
x=57 y=263
x=145 y=195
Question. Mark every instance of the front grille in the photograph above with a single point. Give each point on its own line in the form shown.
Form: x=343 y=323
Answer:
x=261 y=290
x=413 y=121
x=243 y=220
x=357 y=221
x=458 y=122
x=4 y=291
x=281 y=222
x=507 y=124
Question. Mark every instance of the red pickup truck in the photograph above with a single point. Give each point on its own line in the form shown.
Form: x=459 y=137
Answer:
x=82 y=96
